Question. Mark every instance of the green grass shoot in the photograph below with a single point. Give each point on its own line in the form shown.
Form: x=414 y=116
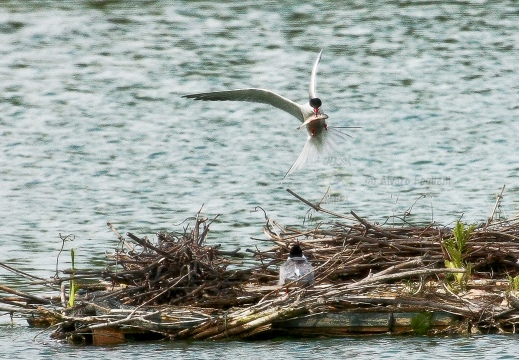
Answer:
x=513 y=283
x=72 y=283
x=456 y=247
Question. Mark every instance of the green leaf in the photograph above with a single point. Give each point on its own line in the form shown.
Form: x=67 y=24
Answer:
x=72 y=283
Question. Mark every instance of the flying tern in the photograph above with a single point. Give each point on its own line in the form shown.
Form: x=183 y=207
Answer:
x=321 y=139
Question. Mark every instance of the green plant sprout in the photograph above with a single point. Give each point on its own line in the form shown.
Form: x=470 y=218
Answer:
x=456 y=248
x=513 y=283
x=72 y=283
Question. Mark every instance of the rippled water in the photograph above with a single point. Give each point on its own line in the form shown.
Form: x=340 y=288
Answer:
x=94 y=129
x=379 y=347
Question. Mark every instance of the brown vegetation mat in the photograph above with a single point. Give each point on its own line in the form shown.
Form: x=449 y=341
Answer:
x=179 y=287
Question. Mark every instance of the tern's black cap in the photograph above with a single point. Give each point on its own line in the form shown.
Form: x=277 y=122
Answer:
x=315 y=103
x=296 y=251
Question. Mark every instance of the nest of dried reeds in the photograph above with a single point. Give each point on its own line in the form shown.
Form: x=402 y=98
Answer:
x=180 y=287
x=180 y=268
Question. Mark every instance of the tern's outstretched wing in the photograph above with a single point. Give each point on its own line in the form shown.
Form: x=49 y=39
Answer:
x=253 y=95
x=313 y=81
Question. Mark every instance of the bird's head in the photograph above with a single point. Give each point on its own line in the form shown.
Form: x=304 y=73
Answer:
x=315 y=103
x=296 y=251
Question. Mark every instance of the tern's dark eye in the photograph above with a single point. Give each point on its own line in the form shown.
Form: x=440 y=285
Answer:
x=315 y=103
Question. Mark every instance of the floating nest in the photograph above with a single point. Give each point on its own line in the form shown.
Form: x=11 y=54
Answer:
x=369 y=278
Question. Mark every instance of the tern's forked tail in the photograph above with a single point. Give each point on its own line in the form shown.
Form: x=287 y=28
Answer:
x=318 y=147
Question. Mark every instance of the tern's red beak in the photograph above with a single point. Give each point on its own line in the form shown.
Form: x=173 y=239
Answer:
x=316 y=110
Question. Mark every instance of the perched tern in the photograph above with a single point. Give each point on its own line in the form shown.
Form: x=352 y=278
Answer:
x=321 y=138
x=296 y=268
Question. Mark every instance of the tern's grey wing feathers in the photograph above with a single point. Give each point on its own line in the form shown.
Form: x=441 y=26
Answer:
x=296 y=269
x=282 y=274
x=313 y=81
x=253 y=95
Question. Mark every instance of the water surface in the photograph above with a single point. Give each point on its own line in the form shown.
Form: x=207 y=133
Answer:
x=94 y=128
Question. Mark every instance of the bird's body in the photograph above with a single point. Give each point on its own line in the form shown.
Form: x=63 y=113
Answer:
x=320 y=139
x=296 y=269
